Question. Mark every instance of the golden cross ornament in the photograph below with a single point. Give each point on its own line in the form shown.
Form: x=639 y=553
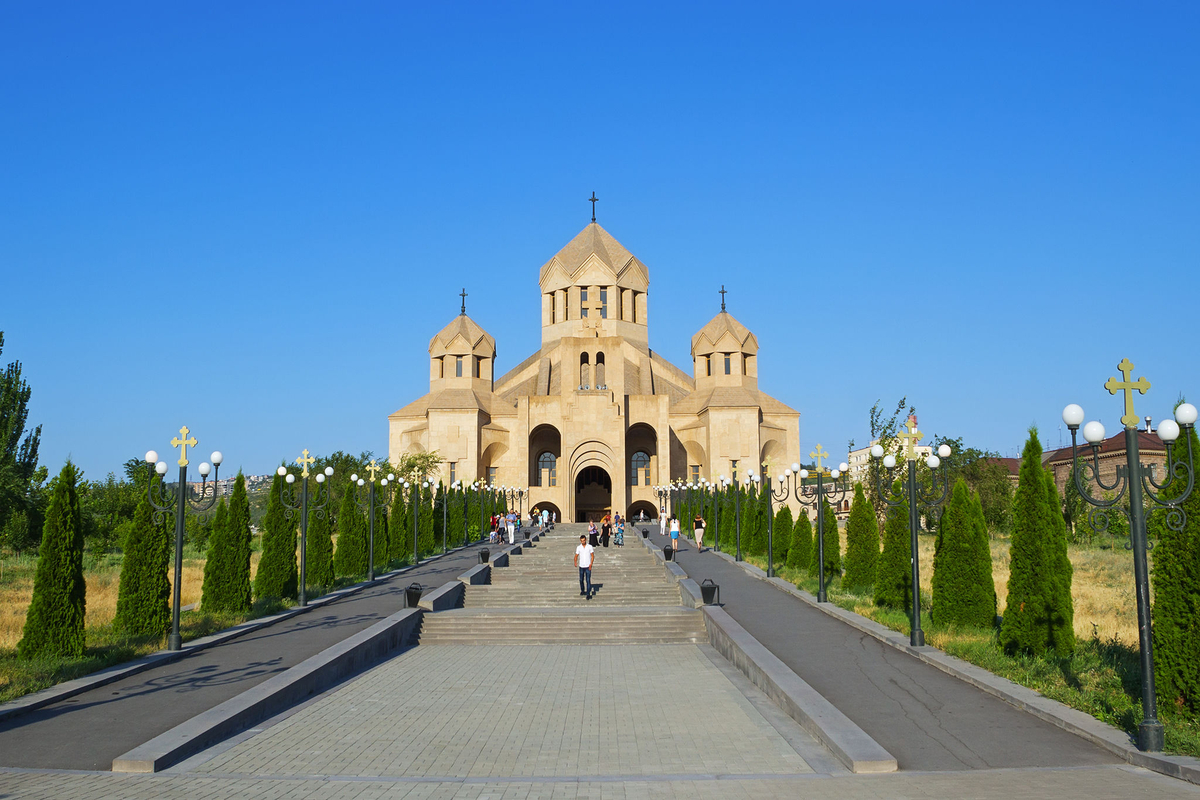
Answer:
x=911 y=438
x=183 y=442
x=374 y=469
x=820 y=455
x=304 y=461
x=1130 y=419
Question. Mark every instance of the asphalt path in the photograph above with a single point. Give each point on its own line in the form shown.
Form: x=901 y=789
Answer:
x=927 y=719
x=89 y=730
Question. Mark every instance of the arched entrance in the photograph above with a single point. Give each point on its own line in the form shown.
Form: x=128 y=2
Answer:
x=593 y=494
x=640 y=507
x=551 y=508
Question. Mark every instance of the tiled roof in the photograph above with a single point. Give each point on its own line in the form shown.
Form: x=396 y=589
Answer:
x=593 y=239
x=721 y=324
x=1111 y=446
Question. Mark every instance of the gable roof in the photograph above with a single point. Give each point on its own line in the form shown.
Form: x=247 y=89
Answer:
x=594 y=240
x=721 y=326
x=477 y=339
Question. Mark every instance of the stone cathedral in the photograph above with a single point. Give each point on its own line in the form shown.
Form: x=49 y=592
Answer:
x=595 y=419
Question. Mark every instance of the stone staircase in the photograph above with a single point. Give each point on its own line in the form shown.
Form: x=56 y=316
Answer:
x=535 y=600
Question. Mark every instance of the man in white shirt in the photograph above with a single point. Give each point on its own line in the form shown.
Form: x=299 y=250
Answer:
x=585 y=554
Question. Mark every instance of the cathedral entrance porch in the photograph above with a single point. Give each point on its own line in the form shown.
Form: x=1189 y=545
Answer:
x=593 y=494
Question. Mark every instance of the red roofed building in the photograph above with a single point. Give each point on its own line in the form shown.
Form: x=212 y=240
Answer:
x=1151 y=451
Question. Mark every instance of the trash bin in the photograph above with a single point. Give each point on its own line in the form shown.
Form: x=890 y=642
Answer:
x=412 y=595
x=528 y=531
x=645 y=533
x=484 y=555
x=669 y=553
x=710 y=592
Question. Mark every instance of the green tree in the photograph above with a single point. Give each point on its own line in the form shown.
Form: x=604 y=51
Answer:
x=382 y=540
x=862 y=544
x=350 y=559
x=832 y=547
x=20 y=476
x=277 y=575
x=781 y=534
x=319 y=555
x=959 y=595
x=1032 y=623
x=235 y=591
x=1062 y=608
x=17 y=533
x=456 y=518
x=883 y=432
x=399 y=528
x=54 y=621
x=726 y=533
x=893 y=579
x=441 y=518
x=425 y=524
x=800 y=552
x=143 y=607
x=1176 y=577
x=983 y=553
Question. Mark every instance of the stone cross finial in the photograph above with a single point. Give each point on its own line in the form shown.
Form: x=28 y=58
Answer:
x=183 y=442
x=1129 y=419
x=593 y=200
x=463 y=295
x=304 y=461
x=911 y=438
x=820 y=455
x=723 y=293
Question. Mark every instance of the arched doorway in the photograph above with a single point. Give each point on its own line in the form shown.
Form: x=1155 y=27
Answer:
x=640 y=507
x=549 y=507
x=593 y=494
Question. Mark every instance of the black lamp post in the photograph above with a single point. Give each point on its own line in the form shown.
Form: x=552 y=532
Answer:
x=931 y=500
x=177 y=501
x=414 y=497
x=368 y=505
x=663 y=493
x=514 y=496
x=1139 y=482
x=291 y=505
x=816 y=497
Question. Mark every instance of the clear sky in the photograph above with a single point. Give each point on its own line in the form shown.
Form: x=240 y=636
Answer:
x=252 y=217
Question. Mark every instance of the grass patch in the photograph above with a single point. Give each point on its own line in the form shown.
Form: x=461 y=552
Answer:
x=1102 y=678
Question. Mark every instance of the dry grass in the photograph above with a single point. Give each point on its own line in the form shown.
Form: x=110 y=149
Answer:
x=103 y=579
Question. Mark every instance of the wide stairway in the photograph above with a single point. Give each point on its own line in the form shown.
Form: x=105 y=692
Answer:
x=536 y=600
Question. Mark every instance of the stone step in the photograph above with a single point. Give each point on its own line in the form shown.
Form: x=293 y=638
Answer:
x=591 y=625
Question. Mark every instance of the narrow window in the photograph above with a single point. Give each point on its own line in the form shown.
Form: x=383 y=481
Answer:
x=552 y=319
x=708 y=366
x=547 y=462
x=640 y=466
x=458 y=366
x=728 y=367
x=478 y=361
x=733 y=469
x=491 y=476
x=453 y=471
x=441 y=367
x=583 y=311
x=603 y=303
x=695 y=473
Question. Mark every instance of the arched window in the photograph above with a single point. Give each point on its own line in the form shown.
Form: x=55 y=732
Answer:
x=600 y=383
x=547 y=462
x=708 y=366
x=639 y=465
x=585 y=372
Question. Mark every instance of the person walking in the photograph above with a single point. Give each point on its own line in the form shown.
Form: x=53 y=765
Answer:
x=593 y=535
x=675 y=534
x=605 y=530
x=698 y=527
x=662 y=521
x=585 y=554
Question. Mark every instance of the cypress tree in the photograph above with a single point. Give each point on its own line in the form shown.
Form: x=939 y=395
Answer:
x=277 y=575
x=382 y=539
x=1176 y=576
x=235 y=592
x=1062 y=605
x=142 y=598
x=399 y=528
x=893 y=578
x=441 y=512
x=216 y=568
x=983 y=555
x=832 y=547
x=456 y=518
x=425 y=525
x=802 y=542
x=1033 y=620
x=473 y=512
x=862 y=544
x=54 y=621
x=319 y=550
x=781 y=534
x=350 y=558
x=726 y=534
x=959 y=595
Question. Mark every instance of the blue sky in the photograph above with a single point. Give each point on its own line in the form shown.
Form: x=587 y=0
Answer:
x=251 y=217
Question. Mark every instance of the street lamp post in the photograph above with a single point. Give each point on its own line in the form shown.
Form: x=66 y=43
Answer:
x=816 y=498
x=415 y=498
x=916 y=498
x=178 y=501
x=747 y=479
x=368 y=505
x=303 y=506
x=1139 y=482
x=513 y=495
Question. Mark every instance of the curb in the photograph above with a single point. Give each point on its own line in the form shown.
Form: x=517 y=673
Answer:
x=68 y=689
x=309 y=677
x=1080 y=723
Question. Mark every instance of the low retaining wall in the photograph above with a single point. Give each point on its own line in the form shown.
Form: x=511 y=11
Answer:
x=313 y=675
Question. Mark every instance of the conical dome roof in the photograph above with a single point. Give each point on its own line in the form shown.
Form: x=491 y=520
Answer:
x=474 y=338
x=725 y=334
x=594 y=240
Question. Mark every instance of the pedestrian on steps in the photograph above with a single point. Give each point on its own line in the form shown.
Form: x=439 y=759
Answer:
x=585 y=554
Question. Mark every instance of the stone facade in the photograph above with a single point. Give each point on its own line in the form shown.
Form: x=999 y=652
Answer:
x=1111 y=456
x=595 y=419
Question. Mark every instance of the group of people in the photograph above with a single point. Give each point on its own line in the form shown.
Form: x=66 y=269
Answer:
x=611 y=528
x=506 y=525
x=672 y=523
